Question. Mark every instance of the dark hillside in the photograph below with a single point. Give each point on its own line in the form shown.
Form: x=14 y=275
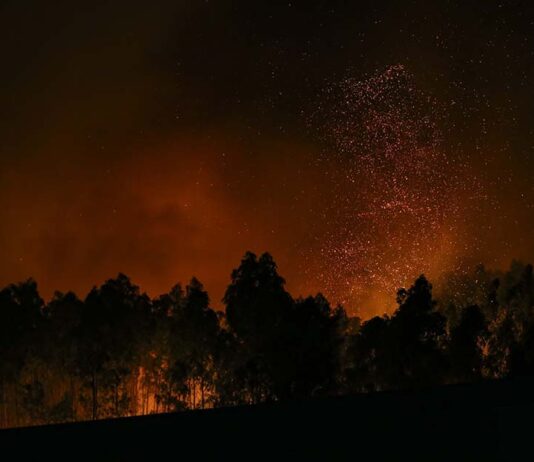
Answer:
x=488 y=421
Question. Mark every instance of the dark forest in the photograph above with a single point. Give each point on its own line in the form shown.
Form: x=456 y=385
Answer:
x=117 y=352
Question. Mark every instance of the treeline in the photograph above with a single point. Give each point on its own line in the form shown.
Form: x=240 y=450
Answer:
x=120 y=353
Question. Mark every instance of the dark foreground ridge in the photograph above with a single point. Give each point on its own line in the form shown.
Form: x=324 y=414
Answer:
x=487 y=421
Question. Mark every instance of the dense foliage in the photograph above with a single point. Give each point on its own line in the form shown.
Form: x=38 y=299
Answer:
x=120 y=353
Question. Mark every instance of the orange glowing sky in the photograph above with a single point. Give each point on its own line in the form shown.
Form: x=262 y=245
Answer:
x=165 y=140
x=160 y=214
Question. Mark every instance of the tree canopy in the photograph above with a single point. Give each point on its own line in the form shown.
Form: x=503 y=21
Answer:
x=118 y=352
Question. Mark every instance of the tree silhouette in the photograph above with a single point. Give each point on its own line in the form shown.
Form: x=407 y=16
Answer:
x=159 y=366
x=466 y=345
x=308 y=349
x=510 y=344
x=20 y=339
x=417 y=331
x=256 y=304
x=256 y=299
x=111 y=330
x=63 y=316
x=368 y=355
x=404 y=350
x=194 y=332
x=117 y=352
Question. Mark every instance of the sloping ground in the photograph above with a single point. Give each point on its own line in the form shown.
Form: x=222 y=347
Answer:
x=483 y=422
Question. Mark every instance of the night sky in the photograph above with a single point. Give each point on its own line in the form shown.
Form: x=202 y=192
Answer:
x=361 y=143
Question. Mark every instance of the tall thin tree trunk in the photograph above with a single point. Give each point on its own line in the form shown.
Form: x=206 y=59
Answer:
x=202 y=392
x=95 y=396
x=72 y=399
x=147 y=391
x=16 y=405
x=156 y=401
x=116 y=399
x=4 y=407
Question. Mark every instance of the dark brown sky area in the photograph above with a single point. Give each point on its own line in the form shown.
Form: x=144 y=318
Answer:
x=361 y=143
